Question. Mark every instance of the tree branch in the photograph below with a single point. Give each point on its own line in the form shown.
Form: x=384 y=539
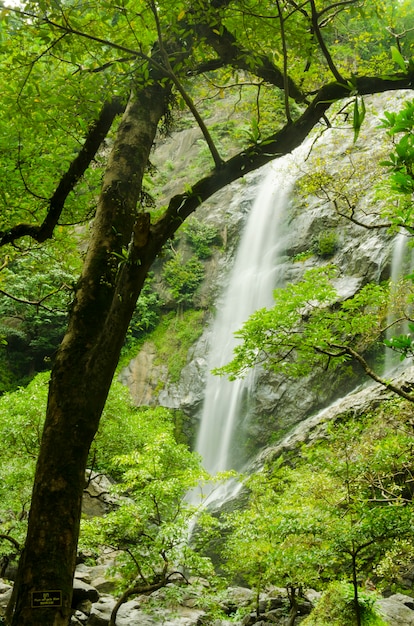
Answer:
x=279 y=144
x=66 y=28
x=370 y=372
x=185 y=96
x=12 y=540
x=79 y=165
x=285 y=63
x=322 y=45
x=230 y=53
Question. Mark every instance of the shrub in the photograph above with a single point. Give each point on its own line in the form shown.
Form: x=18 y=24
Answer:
x=327 y=244
x=336 y=608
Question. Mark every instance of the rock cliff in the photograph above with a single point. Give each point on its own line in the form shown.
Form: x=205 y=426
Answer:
x=334 y=176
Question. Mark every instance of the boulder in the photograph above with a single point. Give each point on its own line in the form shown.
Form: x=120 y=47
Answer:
x=5 y=593
x=397 y=610
x=97 y=500
x=129 y=614
x=83 y=591
x=101 y=611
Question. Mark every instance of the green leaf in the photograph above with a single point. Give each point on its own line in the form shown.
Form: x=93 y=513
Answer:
x=398 y=58
x=359 y=116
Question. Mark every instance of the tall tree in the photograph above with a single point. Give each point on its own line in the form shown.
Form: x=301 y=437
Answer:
x=76 y=73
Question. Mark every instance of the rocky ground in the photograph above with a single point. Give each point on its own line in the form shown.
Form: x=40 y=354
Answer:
x=94 y=601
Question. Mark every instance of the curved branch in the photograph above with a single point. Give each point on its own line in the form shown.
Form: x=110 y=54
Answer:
x=133 y=591
x=37 y=303
x=79 y=165
x=321 y=42
x=230 y=53
x=185 y=96
x=284 y=141
x=12 y=540
x=370 y=372
x=337 y=5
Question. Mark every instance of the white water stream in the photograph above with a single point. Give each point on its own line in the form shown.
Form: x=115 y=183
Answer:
x=257 y=271
x=402 y=264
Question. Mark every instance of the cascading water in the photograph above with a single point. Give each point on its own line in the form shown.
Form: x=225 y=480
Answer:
x=257 y=271
x=402 y=263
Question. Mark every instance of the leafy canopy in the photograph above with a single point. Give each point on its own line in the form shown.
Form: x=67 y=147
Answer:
x=330 y=511
x=64 y=60
x=152 y=522
x=305 y=328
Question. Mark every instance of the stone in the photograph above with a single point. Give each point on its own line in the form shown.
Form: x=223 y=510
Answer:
x=97 y=499
x=83 y=591
x=101 y=611
x=82 y=572
x=103 y=585
x=397 y=610
x=5 y=594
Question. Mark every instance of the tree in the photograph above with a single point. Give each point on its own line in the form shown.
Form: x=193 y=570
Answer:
x=328 y=513
x=77 y=75
x=152 y=523
x=123 y=429
x=308 y=328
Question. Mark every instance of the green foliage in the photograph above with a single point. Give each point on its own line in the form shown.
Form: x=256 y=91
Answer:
x=183 y=277
x=395 y=565
x=358 y=116
x=21 y=424
x=330 y=512
x=336 y=608
x=34 y=316
x=123 y=429
x=304 y=330
x=400 y=162
x=202 y=237
x=402 y=344
x=152 y=522
x=173 y=338
x=327 y=244
x=147 y=313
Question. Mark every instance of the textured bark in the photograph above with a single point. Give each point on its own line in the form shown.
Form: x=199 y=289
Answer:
x=84 y=367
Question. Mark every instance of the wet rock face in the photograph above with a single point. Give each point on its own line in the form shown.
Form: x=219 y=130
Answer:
x=142 y=376
x=361 y=255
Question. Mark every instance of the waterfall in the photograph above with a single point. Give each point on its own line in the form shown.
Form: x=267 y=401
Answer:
x=402 y=263
x=257 y=271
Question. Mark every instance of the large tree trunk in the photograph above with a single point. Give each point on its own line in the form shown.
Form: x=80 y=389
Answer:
x=84 y=368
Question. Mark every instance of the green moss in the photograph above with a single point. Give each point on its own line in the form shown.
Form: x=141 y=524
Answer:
x=326 y=244
x=303 y=256
x=336 y=608
x=174 y=336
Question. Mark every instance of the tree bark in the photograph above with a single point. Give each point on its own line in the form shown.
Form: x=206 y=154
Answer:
x=357 y=608
x=83 y=370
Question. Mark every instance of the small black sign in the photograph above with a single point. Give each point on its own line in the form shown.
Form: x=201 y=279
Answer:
x=42 y=599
